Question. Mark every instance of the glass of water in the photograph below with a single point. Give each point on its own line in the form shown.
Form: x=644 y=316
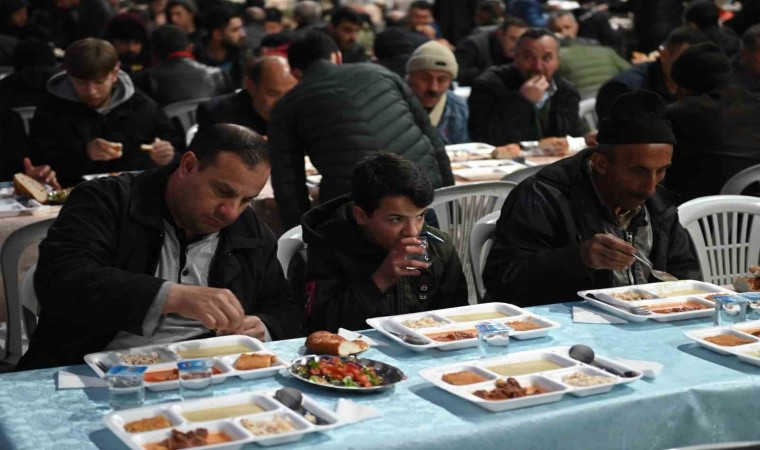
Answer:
x=424 y=256
x=194 y=378
x=493 y=338
x=730 y=309
x=125 y=386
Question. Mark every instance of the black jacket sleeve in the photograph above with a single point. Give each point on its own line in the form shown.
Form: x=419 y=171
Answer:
x=467 y=57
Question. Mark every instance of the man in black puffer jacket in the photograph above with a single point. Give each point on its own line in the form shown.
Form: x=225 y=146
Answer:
x=525 y=101
x=338 y=115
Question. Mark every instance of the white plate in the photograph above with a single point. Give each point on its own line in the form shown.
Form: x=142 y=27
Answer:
x=510 y=313
x=168 y=352
x=116 y=420
x=550 y=380
x=699 y=336
x=616 y=311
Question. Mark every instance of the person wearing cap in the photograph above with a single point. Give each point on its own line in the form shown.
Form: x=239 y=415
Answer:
x=128 y=34
x=429 y=72
x=183 y=13
x=577 y=223
x=715 y=123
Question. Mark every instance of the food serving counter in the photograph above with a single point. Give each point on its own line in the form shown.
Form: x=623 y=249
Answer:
x=699 y=397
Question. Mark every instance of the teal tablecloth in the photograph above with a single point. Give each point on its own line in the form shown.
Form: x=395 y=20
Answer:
x=699 y=397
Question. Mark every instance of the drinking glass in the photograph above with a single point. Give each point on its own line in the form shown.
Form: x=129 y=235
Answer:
x=125 y=386
x=493 y=338
x=194 y=378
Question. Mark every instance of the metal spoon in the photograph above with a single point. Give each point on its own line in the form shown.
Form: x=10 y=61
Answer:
x=408 y=338
x=585 y=354
x=659 y=274
x=293 y=399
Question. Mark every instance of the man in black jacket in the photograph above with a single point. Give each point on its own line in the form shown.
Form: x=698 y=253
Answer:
x=481 y=50
x=339 y=114
x=577 y=223
x=167 y=255
x=525 y=101
x=94 y=120
x=344 y=27
x=362 y=249
x=267 y=82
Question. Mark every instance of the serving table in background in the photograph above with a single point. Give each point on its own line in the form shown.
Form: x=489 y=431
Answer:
x=699 y=397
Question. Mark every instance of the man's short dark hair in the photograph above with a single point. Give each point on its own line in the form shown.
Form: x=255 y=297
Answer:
x=168 y=39
x=226 y=137
x=90 y=59
x=219 y=17
x=258 y=67
x=510 y=22
x=421 y=4
x=388 y=174
x=309 y=48
x=272 y=15
x=702 y=13
x=187 y=5
x=535 y=34
x=345 y=14
x=684 y=35
x=751 y=38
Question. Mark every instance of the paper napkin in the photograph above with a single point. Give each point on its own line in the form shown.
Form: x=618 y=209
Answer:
x=350 y=412
x=583 y=315
x=68 y=380
x=352 y=335
x=650 y=369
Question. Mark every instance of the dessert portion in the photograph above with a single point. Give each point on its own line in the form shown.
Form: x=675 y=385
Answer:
x=463 y=378
x=508 y=389
x=149 y=424
x=728 y=340
x=251 y=361
x=326 y=343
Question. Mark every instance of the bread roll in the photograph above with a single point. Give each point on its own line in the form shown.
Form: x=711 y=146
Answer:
x=326 y=343
x=28 y=186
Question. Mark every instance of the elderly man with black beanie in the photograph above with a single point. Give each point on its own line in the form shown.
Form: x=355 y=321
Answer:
x=577 y=223
x=715 y=122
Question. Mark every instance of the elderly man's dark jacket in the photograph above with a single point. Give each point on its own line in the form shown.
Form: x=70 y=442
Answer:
x=536 y=255
x=337 y=115
x=717 y=136
x=648 y=76
x=95 y=274
x=499 y=115
x=476 y=53
x=231 y=108
x=181 y=78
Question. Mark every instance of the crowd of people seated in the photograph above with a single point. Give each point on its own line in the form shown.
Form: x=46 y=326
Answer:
x=371 y=92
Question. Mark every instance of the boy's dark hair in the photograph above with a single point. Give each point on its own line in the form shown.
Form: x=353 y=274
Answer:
x=226 y=137
x=219 y=17
x=702 y=13
x=683 y=35
x=534 y=34
x=345 y=14
x=309 y=48
x=421 y=4
x=510 y=22
x=90 y=59
x=388 y=174
x=168 y=39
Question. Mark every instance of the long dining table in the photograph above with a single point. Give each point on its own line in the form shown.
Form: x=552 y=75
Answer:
x=699 y=397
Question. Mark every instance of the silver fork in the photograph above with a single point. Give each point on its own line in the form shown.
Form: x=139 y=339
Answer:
x=659 y=274
x=638 y=310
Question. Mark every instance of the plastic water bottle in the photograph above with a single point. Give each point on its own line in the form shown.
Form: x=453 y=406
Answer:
x=125 y=386
x=493 y=338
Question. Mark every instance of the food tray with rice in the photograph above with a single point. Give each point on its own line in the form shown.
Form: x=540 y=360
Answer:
x=469 y=151
x=220 y=422
x=667 y=301
x=527 y=378
x=454 y=328
x=741 y=340
x=240 y=356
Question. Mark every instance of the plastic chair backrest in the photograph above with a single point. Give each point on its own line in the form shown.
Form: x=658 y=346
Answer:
x=459 y=207
x=185 y=112
x=10 y=253
x=518 y=175
x=725 y=230
x=26 y=113
x=740 y=181
x=587 y=112
x=290 y=243
x=481 y=241
x=191 y=132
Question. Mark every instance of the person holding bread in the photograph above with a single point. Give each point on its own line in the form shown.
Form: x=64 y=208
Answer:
x=94 y=120
x=166 y=255
x=361 y=250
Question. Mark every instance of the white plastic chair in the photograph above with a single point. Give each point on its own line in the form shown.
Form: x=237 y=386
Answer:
x=725 y=230
x=290 y=243
x=481 y=241
x=587 y=112
x=19 y=314
x=740 y=181
x=26 y=113
x=185 y=112
x=518 y=175
x=191 y=132
x=459 y=207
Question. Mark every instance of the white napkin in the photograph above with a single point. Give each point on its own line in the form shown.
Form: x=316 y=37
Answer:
x=352 y=336
x=583 y=315
x=68 y=380
x=650 y=369
x=350 y=412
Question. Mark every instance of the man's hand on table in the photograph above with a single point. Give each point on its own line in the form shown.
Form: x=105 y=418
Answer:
x=534 y=88
x=43 y=174
x=216 y=309
x=509 y=151
x=103 y=150
x=396 y=264
x=162 y=153
x=554 y=146
x=252 y=326
x=607 y=252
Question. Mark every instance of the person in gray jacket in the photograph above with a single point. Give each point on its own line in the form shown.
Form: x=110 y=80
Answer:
x=339 y=114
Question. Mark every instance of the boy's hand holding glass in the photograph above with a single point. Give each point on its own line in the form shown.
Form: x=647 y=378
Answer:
x=406 y=259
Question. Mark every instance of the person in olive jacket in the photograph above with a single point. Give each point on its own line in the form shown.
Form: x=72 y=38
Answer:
x=169 y=254
x=95 y=121
x=359 y=250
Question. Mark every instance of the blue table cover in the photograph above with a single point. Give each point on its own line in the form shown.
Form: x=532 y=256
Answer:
x=699 y=397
